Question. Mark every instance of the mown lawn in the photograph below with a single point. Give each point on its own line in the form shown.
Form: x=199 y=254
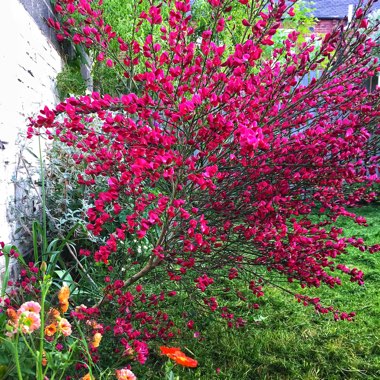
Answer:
x=290 y=341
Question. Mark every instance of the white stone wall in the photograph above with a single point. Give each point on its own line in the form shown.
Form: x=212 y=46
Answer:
x=29 y=64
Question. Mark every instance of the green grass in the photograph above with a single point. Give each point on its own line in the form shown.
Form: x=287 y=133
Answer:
x=290 y=341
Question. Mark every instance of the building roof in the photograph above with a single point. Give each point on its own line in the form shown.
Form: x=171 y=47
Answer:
x=333 y=9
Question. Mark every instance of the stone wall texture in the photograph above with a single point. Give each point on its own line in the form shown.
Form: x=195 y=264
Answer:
x=29 y=62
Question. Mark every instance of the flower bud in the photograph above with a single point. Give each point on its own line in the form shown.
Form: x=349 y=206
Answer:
x=43 y=267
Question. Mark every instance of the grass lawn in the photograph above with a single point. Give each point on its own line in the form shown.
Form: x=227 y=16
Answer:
x=290 y=341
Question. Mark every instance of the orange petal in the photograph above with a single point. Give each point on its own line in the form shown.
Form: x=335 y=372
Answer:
x=185 y=361
x=50 y=330
x=63 y=306
x=64 y=294
x=169 y=350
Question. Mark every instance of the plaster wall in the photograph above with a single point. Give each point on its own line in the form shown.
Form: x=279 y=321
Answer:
x=29 y=64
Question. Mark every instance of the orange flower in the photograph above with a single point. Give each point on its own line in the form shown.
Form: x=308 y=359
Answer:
x=12 y=315
x=178 y=356
x=63 y=306
x=54 y=314
x=44 y=360
x=185 y=361
x=87 y=377
x=64 y=294
x=169 y=350
x=96 y=340
x=63 y=298
x=50 y=330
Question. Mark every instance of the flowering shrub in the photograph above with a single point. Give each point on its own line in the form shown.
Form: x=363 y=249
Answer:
x=217 y=172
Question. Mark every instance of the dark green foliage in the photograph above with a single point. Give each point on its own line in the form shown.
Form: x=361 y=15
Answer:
x=70 y=81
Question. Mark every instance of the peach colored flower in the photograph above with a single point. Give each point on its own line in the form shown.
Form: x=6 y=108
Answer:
x=29 y=322
x=64 y=327
x=51 y=329
x=125 y=374
x=31 y=306
x=53 y=314
x=93 y=324
x=96 y=339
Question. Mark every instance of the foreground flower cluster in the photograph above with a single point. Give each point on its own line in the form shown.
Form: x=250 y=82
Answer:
x=216 y=172
x=26 y=319
x=30 y=325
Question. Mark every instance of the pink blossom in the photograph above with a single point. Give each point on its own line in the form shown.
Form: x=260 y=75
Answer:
x=29 y=322
x=30 y=306
x=64 y=327
x=125 y=374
